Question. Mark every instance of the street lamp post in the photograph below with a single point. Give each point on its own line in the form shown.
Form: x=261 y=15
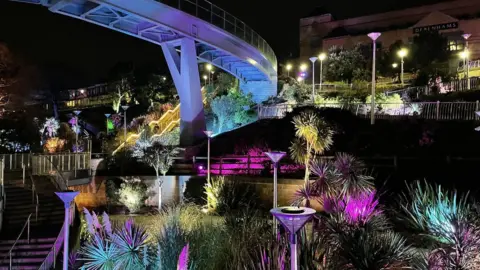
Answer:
x=67 y=197
x=205 y=79
x=209 y=69
x=209 y=136
x=466 y=37
x=313 y=60
x=373 y=36
x=289 y=67
x=275 y=157
x=76 y=140
x=293 y=219
x=322 y=57
x=402 y=53
x=107 y=115
x=125 y=108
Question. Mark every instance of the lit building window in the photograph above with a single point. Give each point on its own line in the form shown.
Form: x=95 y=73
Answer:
x=455 y=45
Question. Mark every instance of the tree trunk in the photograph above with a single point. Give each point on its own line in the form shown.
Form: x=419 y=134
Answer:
x=159 y=190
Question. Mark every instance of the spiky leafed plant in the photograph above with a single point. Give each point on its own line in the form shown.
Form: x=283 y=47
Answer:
x=463 y=254
x=273 y=256
x=434 y=211
x=372 y=250
x=213 y=189
x=313 y=137
x=130 y=241
x=305 y=194
x=183 y=259
x=361 y=208
x=99 y=254
x=325 y=180
x=351 y=176
x=446 y=220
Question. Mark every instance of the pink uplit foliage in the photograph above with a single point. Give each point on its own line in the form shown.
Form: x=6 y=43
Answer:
x=183 y=259
x=166 y=107
x=239 y=166
x=426 y=139
x=117 y=120
x=359 y=209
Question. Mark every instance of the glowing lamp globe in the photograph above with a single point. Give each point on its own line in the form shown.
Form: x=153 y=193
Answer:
x=107 y=115
x=77 y=112
x=293 y=218
x=374 y=35
x=466 y=36
x=275 y=156
x=322 y=56
x=208 y=133
x=125 y=107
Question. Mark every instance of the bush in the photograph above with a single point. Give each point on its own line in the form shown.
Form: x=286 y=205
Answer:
x=132 y=194
x=229 y=196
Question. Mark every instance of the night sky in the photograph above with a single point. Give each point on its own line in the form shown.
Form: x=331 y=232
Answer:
x=77 y=53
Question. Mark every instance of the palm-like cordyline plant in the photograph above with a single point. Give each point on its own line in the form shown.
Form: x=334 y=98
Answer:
x=351 y=176
x=131 y=241
x=313 y=137
x=371 y=250
x=444 y=219
x=100 y=254
x=335 y=181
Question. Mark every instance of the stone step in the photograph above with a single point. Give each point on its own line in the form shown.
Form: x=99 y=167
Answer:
x=25 y=247
x=13 y=202
x=30 y=252
x=22 y=260
x=40 y=220
x=32 y=241
x=31 y=209
x=20 y=267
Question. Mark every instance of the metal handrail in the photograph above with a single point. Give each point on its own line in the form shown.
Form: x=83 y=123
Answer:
x=218 y=17
x=65 y=182
x=35 y=199
x=27 y=225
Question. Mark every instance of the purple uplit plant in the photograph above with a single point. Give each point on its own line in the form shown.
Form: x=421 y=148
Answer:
x=359 y=209
x=183 y=259
x=80 y=148
x=116 y=120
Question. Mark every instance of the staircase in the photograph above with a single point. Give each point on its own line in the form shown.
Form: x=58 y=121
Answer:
x=45 y=225
x=165 y=123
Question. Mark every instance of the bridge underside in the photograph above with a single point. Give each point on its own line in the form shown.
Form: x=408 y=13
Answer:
x=180 y=49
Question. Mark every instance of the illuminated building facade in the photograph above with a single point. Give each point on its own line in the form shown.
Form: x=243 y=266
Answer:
x=452 y=19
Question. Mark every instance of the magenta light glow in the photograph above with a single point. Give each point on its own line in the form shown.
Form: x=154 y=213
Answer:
x=360 y=208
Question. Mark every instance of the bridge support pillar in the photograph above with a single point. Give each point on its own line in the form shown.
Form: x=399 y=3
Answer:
x=183 y=67
x=261 y=90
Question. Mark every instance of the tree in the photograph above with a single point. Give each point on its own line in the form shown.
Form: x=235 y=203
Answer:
x=123 y=90
x=346 y=65
x=430 y=57
x=8 y=73
x=157 y=152
x=156 y=88
x=233 y=109
x=313 y=137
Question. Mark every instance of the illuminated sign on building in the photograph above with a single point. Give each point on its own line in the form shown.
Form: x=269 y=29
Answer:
x=436 y=27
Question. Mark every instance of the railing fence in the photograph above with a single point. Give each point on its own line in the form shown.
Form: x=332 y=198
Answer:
x=425 y=110
x=256 y=165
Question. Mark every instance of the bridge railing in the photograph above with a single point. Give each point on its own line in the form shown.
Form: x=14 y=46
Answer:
x=45 y=164
x=86 y=102
x=426 y=110
x=211 y=13
x=14 y=162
